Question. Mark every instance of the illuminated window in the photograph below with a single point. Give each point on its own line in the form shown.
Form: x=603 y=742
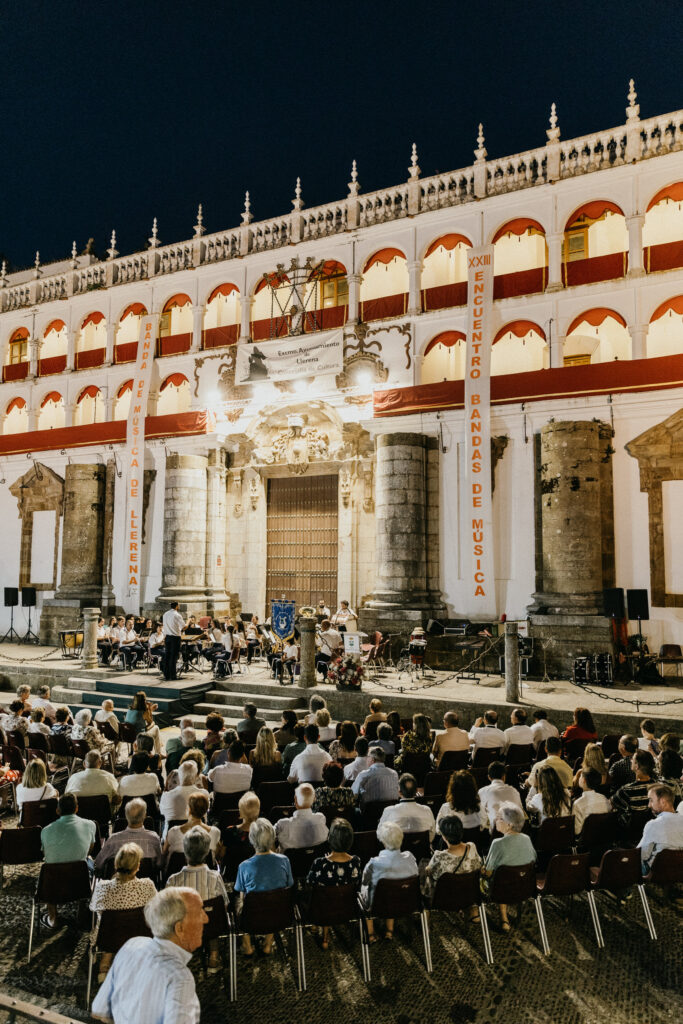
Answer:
x=576 y=243
x=334 y=291
x=165 y=325
x=580 y=360
x=18 y=351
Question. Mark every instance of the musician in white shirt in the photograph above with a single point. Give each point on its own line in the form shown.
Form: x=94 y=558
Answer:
x=345 y=618
x=330 y=642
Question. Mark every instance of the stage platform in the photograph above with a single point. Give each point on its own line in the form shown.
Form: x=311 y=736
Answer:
x=619 y=709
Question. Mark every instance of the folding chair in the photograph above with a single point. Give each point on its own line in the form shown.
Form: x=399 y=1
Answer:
x=264 y=913
x=598 y=834
x=366 y=845
x=19 y=846
x=569 y=875
x=417 y=843
x=454 y=760
x=96 y=808
x=58 y=884
x=484 y=756
x=620 y=870
x=460 y=892
x=216 y=928
x=333 y=905
x=275 y=813
x=38 y=813
x=516 y=885
x=436 y=783
x=401 y=897
x=115 y=928
x=302 y=858
x=418 y=765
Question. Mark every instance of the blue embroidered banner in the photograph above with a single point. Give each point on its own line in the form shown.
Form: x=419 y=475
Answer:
x=282 y=618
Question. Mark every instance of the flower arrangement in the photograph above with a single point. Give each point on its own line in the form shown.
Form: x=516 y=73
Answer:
x=346 y=673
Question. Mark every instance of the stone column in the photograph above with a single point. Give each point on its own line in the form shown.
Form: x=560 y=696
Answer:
x=635 y=245
x=70 y=351
x=245 y=317
x=511 y=663
x=183 y=574
x=33 y=356
x=110 y=345
x=197 y=324
x=89 y=651
x=307 y=632
x=354 y=297
x=83 y=533
x=108 y=535
x=414 y=279
x=639 y=341
x=216 y=522
x=555 y=243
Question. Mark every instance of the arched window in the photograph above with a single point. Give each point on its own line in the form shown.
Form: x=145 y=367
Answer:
x=128 y=332
x=122 y=400
x=89 y=407
x=519 y=347
x=663 y=229
x=222 y=317
x=384 y=287
x=520 y=258
x=597 y=336
x=444 y=272
x=174 y=395
x=330 y=308
x=272 y=299
x=175 y=325
x=16 y=417
x=91 y=341
x=17 y=351
x=595 y=243
x=53 y=349
x=444 y=358
x=665 y=335
x=51 y=415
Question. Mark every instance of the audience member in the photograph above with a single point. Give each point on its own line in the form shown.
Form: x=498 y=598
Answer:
x=135 y=832
x=343 y=749
x=327 y=729
x=13 y=720
x=141 y=716
x=582 y=728
x=235 y=776
x=66 y=840
x=458 y=858
x=265 y=759
x=315 y=704
x=214 y=728
x=377 y=782
x=84 y=730
x=93 y=780
x=452 y=738
x=375 y=715
x=390 y=863
x=648 y=740
x=263 y=872
x=36 y=723
x=621 y=771
x=417 y=740
x=34 y=784
x=42 y=700
x=198 y=876
x=552 y=799
x=62 y=726
x=175 y=742
x=519 y=733
x=633 y=797
x=665 y=831
x=188 y=741
x=197 y=809
x=361 y=760
x=140 y=781
x=125 y=891
x=590 y=801
x=384 y=739
x=248 y=727
x=411 y=816
x=497 y=793
x=553 y=759
x=513 y=849
x=173 y=803
x=106 y=715
x=670 y=772
x=462 y=800
x=332 y=797
x=594 y=759
x=304 y=828
x=308 y=765
x=235 y=838
x=338 y=867
x=485 y=732
x=542 y=728
x=294 y=748
x=285 y=734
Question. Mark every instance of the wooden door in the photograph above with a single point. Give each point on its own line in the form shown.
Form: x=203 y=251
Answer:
x=302 y=536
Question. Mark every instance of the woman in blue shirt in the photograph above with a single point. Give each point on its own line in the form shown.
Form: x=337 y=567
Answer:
x=141 y=715
x=263 y=872
x=513 y=849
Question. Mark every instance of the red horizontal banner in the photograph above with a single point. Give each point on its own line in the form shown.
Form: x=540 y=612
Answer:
x=382 y=309
x=126 y=353
x=218 y=337
x=667 y=256
x=598 y=268
x=522 y=282
x=15 y=371
x=444 y=296
x=89 y=358
x=52 y=364
x=174 y=344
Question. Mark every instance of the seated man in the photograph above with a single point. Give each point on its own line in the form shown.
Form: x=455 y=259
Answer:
x=304 y=828
x=411 y=816
x=106 y=714
x=452 y=738
x=67 y=839
x=308 y=765
x=377 y=782
x=633 y=797
x=542 y=728
x=497 y=793
x=622 y=771
x=248 y=727
x=188 y=741
x=590 y=802
x=518 y=733
x=361 y=760
x=141 y=780
x=376 y=714
x=553 y=746
x=42 y=700
x=130 y=648
x=485 y=732
x=287 y=659
x=665 y=831
x=94 y=781
x=331 y=642
x=135 y=832
x=175 y=742
x=235 y=775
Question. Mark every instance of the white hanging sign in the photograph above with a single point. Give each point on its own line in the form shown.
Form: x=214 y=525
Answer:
x=288 y=358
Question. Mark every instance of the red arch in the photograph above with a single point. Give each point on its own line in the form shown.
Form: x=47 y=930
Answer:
x=126 y=386
x=447 y=338
x=676 y=304
x=54 y=325
x=595 y=317
x=517 y=227
x=51 y=396
x=135 y=308
x=93 y=318
x=448 y=242
x=594 y=211
x=273 y=280
x=674 y=192
x=330 y=268
x=384 y=256
x=180 y=300
x=21 y=334
x=90 y=392
x=520 y=328
x=222 y=289
x=16 y=403
x=176 y=379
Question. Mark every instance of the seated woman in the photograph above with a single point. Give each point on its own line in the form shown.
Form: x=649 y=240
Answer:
x=343 y=749
x=141 y=715
x=391 y=863
x=385 y=739
x=462 y=800
x=253 y=638
x=36 y=723
x=513 y=849
x=338 y=867
x=235 y=838
x=582 y=728
x=551 y=800
x=417 y=740
x=63 y=722
x=670 y=771
x=197 y=757
x=174 y=802
x=14 y=721
x=125 y=891
x=196 y=875
x=263 y=872
x=265 y=758
x=458 y=858
x=213 y=739
x=197 y=810
x=327 y=731
x=83 y=729
x=34 y=784
x=593 y=758
x=332 y=797
x=394 y=720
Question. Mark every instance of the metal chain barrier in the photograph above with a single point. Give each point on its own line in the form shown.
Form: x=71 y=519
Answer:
x=21 y=661
x=638 y=704
x=494 y=642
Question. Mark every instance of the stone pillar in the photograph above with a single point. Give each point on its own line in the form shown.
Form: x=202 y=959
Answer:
x=89 y=651
x=307 y=632
x=183 y=574
x=197 y=324
x=216 y=528
x=33 y=356
x=83 y=532
x=555 y=243
x=433 y=559
x=414 y=280
x=511 y=663
x=70 y=351
x=107 y=600
x=354 y=297
x=639 y=341
x=635 y=245
x=245 y=315
x=111 y=344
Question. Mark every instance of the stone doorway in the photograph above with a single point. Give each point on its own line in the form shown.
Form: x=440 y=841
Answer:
x=302 y=540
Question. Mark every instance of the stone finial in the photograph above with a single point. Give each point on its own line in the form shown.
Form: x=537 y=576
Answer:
x=153 y=239
x=36 y=263
x=199 y=228
x=297 y=202
x=3 y=274
x=633 y=109
x=414 y=170
x=354 y=186
x=480 y=151
x=112 y=251
x=74 y=255
x=553 y=132
x=247 y=215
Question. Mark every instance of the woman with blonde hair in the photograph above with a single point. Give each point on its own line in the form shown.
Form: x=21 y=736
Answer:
x=197 y=810
x=34 y=784
x=322 y=720
x=593 y=758
x=235 y=838
x=125 y=891
x=265 y=758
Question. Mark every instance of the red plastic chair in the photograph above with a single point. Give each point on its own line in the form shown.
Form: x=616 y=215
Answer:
x=460 y=892
x=401 y=897
x=569 y=875
x=57 y=884
x=264 y=913
x=516 y=885
x=620 y=870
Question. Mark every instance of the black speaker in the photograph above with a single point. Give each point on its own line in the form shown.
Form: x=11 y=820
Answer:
x=637 y=604
x=28 y=597
x=434 y=627
x=613 y=602
x=11 y=597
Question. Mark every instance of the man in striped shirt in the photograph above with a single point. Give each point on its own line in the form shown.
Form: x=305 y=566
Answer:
x=196 y=875
x=633 y=797
x=148 y=841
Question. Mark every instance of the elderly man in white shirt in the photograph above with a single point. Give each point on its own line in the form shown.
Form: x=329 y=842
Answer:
x=233 y=776
x=542 y=728
x=42 y=700
x=173 y=803
x=308 y=765
x=361 y=761
x=485 y=732
x=589 y=802
x=141 y=781
x=518 y=734
x=106 y=714
x=496 y=793
x=93 y=780
x=411 y=816
x=304 y=828
x=665 y=831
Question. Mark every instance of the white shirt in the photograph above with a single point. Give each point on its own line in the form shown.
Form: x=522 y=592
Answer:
x=176 y=838
x=102 y=632
x=542 y=729
x=590 y=803
x=495 y=794
x=303 y=829
x=353 y=770
x=155 y=640
x=291 y=652
x=163 y=991
x=107 y=716
x=518 y=735
x=477 y=819
x=665 y=832
x=231 y=777
x=331 y=640
x=39 y=727
x=308 y=765
x=488 y=736
x=411 y=816
x=173 y=803
x=327 y=732
x=116 y=631
x=47 y=706
x=92 y=782
x=46 y=792
x=144 y=784
x=172 y=622
x=127 y=636
x=227 y=640
x=534 y=802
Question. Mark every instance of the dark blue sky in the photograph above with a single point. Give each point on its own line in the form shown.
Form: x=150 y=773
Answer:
x=113 y=113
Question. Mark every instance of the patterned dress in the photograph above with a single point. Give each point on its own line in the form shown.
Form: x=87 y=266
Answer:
x=443 y=863
x=328 y=872
x=333 y=798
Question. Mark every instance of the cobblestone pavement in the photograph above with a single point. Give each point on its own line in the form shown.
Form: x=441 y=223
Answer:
x=633 y=980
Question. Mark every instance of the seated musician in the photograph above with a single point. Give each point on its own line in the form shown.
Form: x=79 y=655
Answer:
x=115 y=631
x=287 y=659
x=322 y=612
x=130 y=649
x=215 y=633
x=104 y=646
x=192 y=636
x=221 y=665
x=330 y=642
x=345 y=619
x=156 y=644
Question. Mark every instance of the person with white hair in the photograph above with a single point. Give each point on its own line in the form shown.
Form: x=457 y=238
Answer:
x=173 y=803
x=513 y=849
x=125 y=891
x=42 y=700
x=263 y=872
x=188 y=741
x=150 y=981
x=83 y=729
x=390 y=863
x=135 y=812
x=106 y=714
x=93 y=780
x=175 y=742
x=304 y=828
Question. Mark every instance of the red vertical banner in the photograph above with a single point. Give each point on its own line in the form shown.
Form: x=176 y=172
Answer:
x=478 y=524
x=134 y=459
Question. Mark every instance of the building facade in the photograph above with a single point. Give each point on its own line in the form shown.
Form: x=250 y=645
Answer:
x=350 y=484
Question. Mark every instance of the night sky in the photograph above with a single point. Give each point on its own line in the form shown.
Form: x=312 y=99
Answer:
x=113 y=113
